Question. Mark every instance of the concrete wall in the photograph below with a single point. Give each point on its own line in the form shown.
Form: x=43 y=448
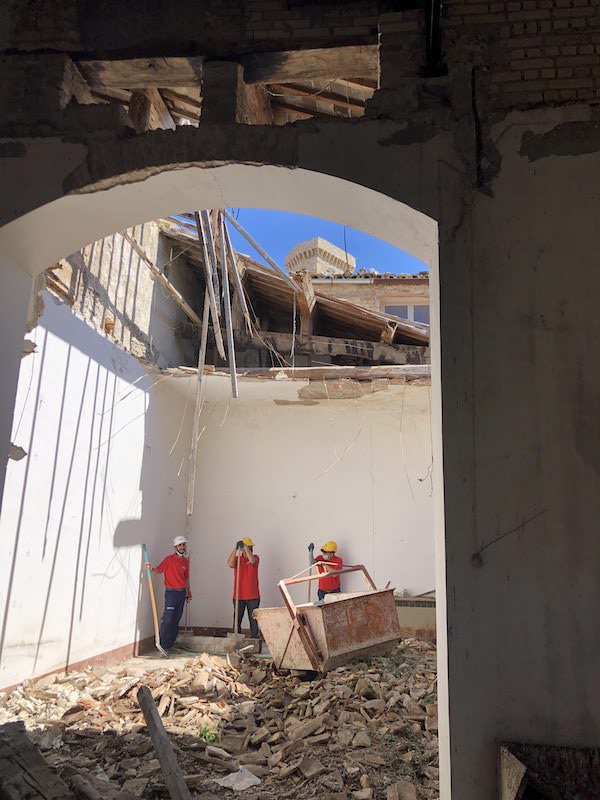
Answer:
x=288 y=471
x=97 y=481
x=521 y=434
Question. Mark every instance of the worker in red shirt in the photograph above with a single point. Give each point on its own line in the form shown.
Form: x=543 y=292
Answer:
x=176 y=571
x=328 y=563
x=249 y=593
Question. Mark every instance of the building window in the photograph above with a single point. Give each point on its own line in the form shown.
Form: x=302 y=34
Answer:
x=416 y=313
x=421 y=314
x=397 y=311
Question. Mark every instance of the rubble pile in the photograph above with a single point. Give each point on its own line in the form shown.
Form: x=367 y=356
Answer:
x=363 y=731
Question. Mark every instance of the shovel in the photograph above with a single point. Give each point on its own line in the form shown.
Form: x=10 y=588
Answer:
x=235 y=634
x=153 y=601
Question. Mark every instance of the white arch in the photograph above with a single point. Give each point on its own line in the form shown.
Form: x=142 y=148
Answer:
x=45 y=235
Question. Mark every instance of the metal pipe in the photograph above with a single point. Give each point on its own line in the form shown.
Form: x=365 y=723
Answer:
x=198 y=405
x=210 y=288
x=227 y=305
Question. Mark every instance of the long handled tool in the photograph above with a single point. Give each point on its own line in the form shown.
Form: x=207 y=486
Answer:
x=153 y=601
x=237 y=593
x=311 y=550
x=236 y=615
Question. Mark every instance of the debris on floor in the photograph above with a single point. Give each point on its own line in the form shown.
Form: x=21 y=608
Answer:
x=366 y=731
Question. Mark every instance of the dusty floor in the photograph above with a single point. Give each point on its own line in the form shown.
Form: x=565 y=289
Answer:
x=365 y=731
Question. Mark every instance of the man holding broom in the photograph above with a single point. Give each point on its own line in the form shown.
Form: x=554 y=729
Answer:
x=244 y=564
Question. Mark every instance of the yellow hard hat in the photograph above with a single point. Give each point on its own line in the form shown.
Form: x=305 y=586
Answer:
x=329 y=547
x=248 y=541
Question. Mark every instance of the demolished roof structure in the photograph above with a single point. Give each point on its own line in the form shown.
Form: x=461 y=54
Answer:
x=314 y=328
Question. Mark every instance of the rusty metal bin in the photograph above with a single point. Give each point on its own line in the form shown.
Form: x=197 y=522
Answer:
x=324 y=636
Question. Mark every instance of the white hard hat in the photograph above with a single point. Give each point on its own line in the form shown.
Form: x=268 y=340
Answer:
x=179 y=540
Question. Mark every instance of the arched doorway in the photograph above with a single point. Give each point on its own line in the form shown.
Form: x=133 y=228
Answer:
x=29 y=244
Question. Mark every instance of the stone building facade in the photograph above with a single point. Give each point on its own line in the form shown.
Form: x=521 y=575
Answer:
x=333 y=273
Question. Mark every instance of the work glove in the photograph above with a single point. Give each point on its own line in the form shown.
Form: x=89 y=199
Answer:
x=240 y=545
x=311 y=546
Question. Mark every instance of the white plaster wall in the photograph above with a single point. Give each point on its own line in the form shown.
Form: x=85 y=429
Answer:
x=98 y=481
x=286 y=472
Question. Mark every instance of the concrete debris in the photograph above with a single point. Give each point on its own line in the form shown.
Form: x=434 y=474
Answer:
x=365 y=731
x=239 y=781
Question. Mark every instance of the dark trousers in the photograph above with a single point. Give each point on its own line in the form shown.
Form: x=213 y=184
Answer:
x=169 y=624
x=322 y=592
x=249 y=606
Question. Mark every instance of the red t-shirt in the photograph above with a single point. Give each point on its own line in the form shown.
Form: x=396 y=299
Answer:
x=176 y=570
x=330 y=582
x=248 y=589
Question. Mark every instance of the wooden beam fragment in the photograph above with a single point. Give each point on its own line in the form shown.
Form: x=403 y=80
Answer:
x=305 y=299
x=293 y=65
x=162 y=279
x=142 y=73
x=304 y=112
x=174 y=781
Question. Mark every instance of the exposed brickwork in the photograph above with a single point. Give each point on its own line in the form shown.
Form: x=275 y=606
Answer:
x=213 y=28
x=534 y=51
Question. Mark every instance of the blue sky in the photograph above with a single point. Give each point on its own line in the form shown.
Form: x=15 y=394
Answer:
x=277 y=232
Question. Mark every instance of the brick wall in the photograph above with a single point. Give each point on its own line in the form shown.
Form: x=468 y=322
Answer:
x=213 y=28
x=534 y=51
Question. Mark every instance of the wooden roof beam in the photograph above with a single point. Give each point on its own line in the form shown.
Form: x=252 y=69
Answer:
x=295 y=65
x=292 y=89
x=142 y=73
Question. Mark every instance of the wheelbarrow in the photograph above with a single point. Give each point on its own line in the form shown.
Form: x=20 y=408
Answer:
x=322 y=636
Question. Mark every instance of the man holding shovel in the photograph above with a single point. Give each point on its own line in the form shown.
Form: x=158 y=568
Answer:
x=176 y=571
x=246 y=594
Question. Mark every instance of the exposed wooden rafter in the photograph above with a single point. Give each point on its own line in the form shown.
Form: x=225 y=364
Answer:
x=295 y=65
x=142 y=73
x=303 y=112
x=300 y=91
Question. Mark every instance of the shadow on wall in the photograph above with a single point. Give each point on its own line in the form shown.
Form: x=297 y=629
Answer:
x=91 y=420
x=114 y=288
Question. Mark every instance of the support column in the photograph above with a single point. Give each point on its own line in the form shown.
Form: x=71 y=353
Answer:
x=227 y=98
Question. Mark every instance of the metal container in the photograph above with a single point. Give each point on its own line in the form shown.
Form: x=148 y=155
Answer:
x=324 y=636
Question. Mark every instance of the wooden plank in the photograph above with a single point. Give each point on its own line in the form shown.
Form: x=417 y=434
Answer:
x=182 y=101
x=173 y=776
x=142 y=73
x=160 y=277
x=304 y=112
x=300 y=91
x=293 y=65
